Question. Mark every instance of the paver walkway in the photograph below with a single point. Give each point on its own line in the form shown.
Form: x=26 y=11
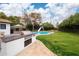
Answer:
x=36 y=49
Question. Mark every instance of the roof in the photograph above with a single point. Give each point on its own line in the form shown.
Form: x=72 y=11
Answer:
x=17 y=26
x=5 y=21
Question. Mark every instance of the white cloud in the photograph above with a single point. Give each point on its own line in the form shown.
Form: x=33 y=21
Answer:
x=14 y=9
x=61 y=11
x=53 y=13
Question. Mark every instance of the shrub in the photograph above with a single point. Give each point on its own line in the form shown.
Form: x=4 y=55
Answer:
x=29 y=26
x=70 y=24
x=47 y=26
x=36 y=26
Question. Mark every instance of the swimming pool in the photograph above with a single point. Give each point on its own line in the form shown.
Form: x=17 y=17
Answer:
x=41 y=32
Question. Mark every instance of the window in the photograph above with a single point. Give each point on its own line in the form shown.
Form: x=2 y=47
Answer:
x=2 y=26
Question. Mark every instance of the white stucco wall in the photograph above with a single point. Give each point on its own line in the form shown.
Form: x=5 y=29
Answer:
x=12 y=48
x=3 y=49
x=15 y=46
x=7 y=30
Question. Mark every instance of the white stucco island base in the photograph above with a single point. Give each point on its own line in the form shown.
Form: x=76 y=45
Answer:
x=11 y=48
x=14 y=47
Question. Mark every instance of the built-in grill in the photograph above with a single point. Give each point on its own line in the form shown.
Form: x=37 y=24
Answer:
x=27 y=42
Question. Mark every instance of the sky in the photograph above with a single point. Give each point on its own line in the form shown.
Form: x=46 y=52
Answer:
x=50 y=12
x=39 y=5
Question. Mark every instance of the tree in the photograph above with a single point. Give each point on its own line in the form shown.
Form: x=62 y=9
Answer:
x=47 y=26
x=2 y=15
x=14 y=20
x=70 y=24
x=32 y=18
x=26 y=18
x=35 y=18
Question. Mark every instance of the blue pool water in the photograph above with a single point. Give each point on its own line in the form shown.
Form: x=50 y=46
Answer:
x=41 y=32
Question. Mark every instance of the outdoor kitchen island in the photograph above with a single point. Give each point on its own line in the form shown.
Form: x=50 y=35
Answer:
x=13 y=44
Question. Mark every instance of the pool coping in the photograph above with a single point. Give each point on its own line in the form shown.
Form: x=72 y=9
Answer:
x=42 y=34
x=45 y=34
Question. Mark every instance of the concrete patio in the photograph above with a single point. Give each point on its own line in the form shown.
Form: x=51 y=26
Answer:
x=37 y=48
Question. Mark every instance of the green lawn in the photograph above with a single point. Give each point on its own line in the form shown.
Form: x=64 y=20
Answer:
x=62 y=43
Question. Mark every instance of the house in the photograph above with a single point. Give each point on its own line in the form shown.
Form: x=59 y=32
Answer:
x=5 y=26
x=11 y=44
x=16 y=29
